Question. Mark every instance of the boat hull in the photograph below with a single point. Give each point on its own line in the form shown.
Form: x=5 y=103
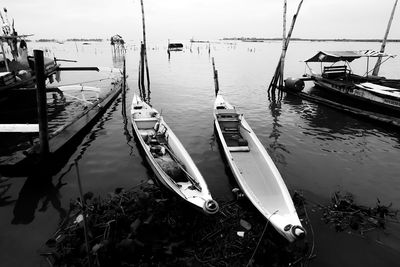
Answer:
x=257 y=175
x=193 y=189
x=366 y=93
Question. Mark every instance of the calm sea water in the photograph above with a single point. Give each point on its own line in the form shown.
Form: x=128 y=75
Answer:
x=318 y=150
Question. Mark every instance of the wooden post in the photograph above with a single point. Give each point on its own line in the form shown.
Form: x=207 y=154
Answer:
x=124 y=76
x=4 y=56
x=142 y=63
x=284 y=24
x=282 y=63
x=41 y=102
x=215 y=72
x=378 y=62
x=278 y=76
x=139 y=81
x=145 y=47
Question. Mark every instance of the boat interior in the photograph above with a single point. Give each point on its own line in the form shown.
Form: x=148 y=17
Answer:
x=229 y=123
x=153 y=134
x=343 y=75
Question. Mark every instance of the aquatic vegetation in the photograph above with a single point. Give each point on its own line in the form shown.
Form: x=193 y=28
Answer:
x=145 y=226
x=345 y=214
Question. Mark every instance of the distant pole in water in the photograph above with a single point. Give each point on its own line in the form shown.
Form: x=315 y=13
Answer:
x=378 y=62
x=4 y=56
x=41 y=102
x=215 y=72
x=278 y=76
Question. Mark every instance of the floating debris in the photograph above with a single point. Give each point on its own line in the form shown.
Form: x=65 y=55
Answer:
x=344 y=214
x=146 y=226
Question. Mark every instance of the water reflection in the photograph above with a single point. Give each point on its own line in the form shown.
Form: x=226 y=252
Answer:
x=4 y=187
x=39 y=191
x=36 y=188
x=118 y=57
x=276 y=147
x=125 y=120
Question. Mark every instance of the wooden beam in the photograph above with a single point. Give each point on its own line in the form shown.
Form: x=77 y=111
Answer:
x=19 y=128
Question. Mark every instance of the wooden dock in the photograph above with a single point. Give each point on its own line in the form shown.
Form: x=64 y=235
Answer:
x=23 y=162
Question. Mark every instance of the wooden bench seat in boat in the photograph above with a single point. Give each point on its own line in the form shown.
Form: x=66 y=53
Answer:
x=331 y=72
x=145 y=123
x=239 y=148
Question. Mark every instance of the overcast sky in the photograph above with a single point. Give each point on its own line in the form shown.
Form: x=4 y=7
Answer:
x=201 y=19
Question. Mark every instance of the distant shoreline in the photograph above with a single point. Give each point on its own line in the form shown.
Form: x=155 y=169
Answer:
x=244 y=39
x=71 y=40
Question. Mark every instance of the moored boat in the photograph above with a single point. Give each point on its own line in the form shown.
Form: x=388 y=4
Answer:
x=168 y=158
x=254 y=171
x=376 y=90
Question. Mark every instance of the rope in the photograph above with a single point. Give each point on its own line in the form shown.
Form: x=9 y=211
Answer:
x=312 y=232
x=98 y=80
x=259 y=241
x=83 y=213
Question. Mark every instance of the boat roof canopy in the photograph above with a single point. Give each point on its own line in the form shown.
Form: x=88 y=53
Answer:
x=335 y=56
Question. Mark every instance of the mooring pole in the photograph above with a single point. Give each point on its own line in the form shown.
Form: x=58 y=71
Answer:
x=378 y=62
x=215 y=72
x=145 y=47
x=282 y=63
x=124 y=75
x=142 y=63
x=278 y=76
x=41 y=102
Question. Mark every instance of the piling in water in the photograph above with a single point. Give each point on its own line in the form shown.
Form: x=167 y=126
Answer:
x=41 y=102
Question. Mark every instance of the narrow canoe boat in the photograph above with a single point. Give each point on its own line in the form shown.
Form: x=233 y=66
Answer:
x=168 y=158
x=254 y=171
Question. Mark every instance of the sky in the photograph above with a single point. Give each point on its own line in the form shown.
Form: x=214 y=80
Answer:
x=201 y=19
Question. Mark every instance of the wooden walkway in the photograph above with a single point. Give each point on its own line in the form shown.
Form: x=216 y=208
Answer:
x=62 y=137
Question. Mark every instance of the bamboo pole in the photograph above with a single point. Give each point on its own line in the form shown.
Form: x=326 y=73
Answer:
x=41 y=102
x=278 y=76
x=215 y=73
x=142 y=63
x=284 y=22
x=282 y=67
x=145 y=47
x=378 y=62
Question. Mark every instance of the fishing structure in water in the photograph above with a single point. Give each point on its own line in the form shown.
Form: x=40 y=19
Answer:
x=366 y=95
x=118 y=44
x=277 y=79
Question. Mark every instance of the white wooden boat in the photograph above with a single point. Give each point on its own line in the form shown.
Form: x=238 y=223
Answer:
x=168 y=158
x=255 y=172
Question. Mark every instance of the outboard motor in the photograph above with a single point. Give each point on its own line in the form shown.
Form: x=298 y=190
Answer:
x=294 y=84
x=211 y=206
